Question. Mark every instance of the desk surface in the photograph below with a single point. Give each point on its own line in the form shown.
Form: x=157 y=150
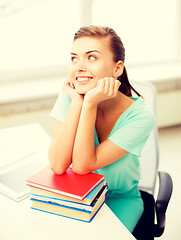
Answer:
x=19 y=221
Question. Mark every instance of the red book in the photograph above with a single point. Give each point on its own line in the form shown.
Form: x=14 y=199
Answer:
x=68 y=184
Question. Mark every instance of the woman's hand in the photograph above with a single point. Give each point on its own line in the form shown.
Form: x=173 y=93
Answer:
x=106 y=88
x=69 y=89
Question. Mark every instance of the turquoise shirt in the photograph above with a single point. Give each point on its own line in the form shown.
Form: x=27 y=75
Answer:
x=130 y=133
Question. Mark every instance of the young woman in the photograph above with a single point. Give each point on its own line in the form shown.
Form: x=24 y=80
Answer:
x=99 y=125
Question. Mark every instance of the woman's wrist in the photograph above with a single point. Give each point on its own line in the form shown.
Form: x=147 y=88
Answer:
x=77 y=98
x=88 y=103
x=77 y=103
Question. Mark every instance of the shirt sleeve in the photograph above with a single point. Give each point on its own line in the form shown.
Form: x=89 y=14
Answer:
x=61 y=107
x=134 y=132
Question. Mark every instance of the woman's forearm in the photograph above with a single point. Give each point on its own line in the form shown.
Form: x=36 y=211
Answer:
x=61 y=147
x=84 y=149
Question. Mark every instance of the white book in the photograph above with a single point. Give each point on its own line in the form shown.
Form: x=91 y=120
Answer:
x=72 y=204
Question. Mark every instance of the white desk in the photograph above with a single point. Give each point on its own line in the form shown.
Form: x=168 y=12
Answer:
x=19 y=221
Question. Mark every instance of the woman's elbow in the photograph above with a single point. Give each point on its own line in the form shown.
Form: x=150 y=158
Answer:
x=57 y=170
x=55 y=165
x=80 y=169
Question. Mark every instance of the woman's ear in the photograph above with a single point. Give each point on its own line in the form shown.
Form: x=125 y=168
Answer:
x=118 y=69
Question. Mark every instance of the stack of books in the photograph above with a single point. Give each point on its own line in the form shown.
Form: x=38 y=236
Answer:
x=70 y=195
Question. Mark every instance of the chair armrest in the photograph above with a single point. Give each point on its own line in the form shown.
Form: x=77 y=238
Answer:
x=164 y=195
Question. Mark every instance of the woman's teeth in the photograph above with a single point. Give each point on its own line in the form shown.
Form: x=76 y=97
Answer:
x=83 y=79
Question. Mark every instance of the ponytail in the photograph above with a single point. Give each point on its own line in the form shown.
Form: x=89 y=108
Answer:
x=125 y=86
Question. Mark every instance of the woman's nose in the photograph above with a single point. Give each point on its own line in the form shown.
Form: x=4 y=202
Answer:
x=81 y=66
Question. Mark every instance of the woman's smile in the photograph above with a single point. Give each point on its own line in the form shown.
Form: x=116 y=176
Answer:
x=83 y=79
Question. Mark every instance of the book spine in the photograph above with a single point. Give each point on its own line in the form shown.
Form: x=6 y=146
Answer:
x=75 y=205
x=74 y=218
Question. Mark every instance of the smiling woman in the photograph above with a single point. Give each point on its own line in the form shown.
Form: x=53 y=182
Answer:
x=99 y=125
x=92 y=60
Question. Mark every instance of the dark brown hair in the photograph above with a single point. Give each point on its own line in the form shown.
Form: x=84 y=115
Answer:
x=117 y=49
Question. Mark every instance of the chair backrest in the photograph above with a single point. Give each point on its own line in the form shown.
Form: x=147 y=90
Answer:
x=149 y=158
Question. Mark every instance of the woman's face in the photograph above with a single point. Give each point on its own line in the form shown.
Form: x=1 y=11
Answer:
x=91 y=60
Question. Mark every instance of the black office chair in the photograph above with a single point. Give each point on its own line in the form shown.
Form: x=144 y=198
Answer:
x=152 y=222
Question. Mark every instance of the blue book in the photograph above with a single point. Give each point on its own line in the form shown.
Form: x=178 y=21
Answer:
x=72 y=204
x=70 y=212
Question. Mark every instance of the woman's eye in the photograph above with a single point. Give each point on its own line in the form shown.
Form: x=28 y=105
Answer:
x=92 y=57
x=73 y=59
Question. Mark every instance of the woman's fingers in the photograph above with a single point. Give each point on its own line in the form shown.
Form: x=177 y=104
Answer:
x=106 y=88
x=116 y=86
x=69 y=88
x=72 y=85
x=109 y=86
x=112 y=87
